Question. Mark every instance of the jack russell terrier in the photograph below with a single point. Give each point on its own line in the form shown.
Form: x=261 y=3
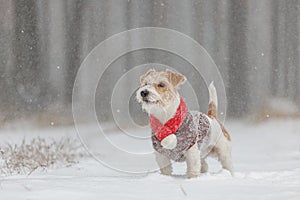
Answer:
x=179 y=134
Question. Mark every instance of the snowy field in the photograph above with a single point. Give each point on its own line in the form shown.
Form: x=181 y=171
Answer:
x=266 y=159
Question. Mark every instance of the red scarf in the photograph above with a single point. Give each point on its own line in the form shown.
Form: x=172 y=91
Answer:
x=172 y=125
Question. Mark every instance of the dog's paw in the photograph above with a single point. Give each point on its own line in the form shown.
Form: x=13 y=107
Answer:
x=192 y=174
x=166 y=171
x=229 y=172
x=169 y=142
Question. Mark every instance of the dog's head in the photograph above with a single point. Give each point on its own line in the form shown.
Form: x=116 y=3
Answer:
x=158 y=90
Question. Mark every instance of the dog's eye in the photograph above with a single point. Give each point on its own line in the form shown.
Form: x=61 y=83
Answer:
x=161 y=85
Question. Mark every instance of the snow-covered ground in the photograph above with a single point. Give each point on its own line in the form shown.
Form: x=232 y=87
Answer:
x=266 y=159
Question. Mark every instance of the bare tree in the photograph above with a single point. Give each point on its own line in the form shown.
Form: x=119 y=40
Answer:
x=292 y=48
x=275 y=47
x=238 y=71
x=6 y=63
x=74 y=11
x=27 y=84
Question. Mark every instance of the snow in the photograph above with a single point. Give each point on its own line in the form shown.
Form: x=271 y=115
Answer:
x=266 y=159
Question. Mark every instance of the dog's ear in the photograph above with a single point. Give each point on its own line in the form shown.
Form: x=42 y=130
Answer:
x=176 y=79
x=142 y=78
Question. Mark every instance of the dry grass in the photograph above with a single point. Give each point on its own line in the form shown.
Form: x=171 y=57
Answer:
x=39 y=154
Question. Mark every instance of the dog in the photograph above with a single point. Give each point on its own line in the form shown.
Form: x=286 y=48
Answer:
x=177 y=133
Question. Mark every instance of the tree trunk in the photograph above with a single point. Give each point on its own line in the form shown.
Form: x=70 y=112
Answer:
x=27 y=84
x=238 y=71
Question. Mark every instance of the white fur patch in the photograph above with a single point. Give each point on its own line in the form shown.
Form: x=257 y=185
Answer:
x=213 y=94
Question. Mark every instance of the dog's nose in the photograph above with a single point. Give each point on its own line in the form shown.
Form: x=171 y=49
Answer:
x=144 y=93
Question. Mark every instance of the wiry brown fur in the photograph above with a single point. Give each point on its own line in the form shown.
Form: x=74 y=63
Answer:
x=225 y=132
x=212 y=110
x=212 y=113
x=174 y=78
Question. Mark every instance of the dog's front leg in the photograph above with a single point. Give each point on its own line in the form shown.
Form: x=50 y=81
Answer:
x=164 y=164
x=193 y=161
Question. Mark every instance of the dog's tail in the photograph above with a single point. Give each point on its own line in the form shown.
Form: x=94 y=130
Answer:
x=213 y=101
x=213 y=108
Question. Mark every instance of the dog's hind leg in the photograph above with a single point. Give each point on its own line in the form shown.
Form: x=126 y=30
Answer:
x=224 y=155
x=204 y=166
x=164 y=164
x=222 y=147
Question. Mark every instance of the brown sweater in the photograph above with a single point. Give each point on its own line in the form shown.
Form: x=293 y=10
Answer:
x=195 y=128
